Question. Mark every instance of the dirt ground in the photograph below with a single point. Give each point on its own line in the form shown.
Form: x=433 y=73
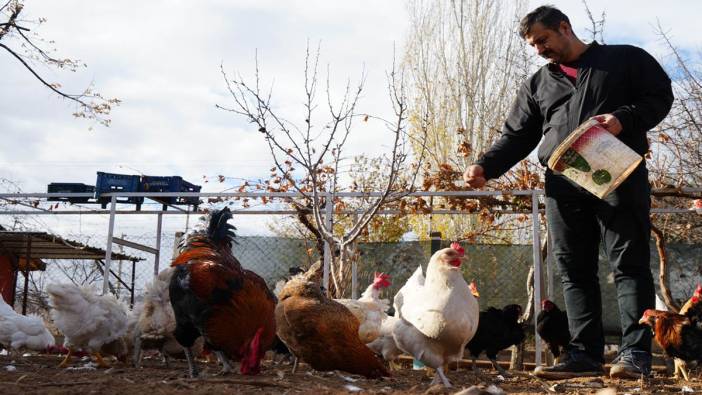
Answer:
x=39 y=375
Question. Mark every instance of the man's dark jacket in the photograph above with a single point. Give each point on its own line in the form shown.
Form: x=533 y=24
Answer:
x=619 y=79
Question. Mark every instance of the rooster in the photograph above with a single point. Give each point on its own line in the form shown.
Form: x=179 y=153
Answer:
x=156 y=323
x=438 y=315
x=214 y=297
x=552 y=327
x=497 y=330
x=96 y=324
x=321 y=331
x=369 y=309
x=20 y=331
x=680 y=336
x=693 y=308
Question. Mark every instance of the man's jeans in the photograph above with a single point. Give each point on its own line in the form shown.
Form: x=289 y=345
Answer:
x=577 y=222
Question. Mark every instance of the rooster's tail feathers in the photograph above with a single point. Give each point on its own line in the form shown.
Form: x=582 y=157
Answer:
x=219 y=229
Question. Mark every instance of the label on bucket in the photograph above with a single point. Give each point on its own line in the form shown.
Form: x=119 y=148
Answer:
x=594 y=158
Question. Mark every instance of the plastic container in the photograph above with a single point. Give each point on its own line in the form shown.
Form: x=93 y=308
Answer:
x=594 y=158
x=110 y=182
x=69 y=187
x=170 y=184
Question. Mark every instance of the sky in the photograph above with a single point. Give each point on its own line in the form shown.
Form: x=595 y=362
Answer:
x=162 y=59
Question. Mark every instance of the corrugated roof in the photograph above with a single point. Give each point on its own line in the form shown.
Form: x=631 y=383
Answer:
x=48 y=246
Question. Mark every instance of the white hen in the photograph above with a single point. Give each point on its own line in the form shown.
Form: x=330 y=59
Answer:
x=385 y=344
x=19 y=331
x=369 y=309
x=88 y=321
x=156 y=322
x=438 y=315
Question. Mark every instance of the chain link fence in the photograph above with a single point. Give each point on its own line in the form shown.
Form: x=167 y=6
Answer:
x=500 y=271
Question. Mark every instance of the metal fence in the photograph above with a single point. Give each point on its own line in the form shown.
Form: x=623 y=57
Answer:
x=499 y=270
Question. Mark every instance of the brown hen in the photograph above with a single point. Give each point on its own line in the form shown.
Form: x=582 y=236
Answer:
x=320 y=331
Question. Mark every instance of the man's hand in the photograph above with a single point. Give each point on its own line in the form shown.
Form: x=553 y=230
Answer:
x=609 y=122
x=474 y=176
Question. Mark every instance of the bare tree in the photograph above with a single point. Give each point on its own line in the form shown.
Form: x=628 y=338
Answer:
x=596 y=28
x=23 y=45
x=677 y=149
x=317 y=148
x=675 y=162
x=466 y=61
x=463 y=58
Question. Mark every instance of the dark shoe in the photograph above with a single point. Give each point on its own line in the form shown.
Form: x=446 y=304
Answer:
x=575 y=364
x=631 y=364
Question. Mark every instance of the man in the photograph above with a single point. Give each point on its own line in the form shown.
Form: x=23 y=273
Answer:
x=628 y=92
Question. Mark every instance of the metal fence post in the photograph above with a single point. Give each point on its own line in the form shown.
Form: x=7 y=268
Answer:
x=354 y=270
x=536 y=249
x=435 y=238
x=131 y=296
x=157 y=255
x=354 y=280
x=108 y=248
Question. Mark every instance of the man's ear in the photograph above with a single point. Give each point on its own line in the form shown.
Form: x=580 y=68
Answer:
x=565 y=28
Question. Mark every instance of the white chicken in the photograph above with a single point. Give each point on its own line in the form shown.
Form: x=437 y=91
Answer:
x=156 y=322
x=437 y=315
x=385 y=343
x=19 y=331
x=369 y=309
x=93 y=323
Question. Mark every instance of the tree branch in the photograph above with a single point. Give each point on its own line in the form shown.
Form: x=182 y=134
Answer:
x=75 y=98
x=663 y=270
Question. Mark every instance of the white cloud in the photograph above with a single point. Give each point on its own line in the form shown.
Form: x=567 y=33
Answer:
x=162 y=58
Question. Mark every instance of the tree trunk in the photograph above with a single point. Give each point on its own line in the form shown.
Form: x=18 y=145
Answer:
x=663 y=270
x=516 y=362
x=517 y=359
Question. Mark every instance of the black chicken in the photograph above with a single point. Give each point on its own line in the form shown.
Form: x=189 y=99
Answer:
x=497 y=330
x=552 y=326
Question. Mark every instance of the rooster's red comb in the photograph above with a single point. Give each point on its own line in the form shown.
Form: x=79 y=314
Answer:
x=381 y=280
x=456 y=246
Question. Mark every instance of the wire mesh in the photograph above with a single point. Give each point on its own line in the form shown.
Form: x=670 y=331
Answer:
x=499 y=270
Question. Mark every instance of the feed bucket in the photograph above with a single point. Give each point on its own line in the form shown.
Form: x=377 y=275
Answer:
x=594 y=159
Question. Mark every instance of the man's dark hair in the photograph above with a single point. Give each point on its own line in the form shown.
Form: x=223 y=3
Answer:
x=548 y=15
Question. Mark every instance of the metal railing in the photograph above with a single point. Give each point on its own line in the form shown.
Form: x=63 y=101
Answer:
x=113 y=212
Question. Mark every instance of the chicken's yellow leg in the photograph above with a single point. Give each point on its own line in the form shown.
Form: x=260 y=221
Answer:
x=101 y=362
x=680 y=367
x=64 y=363
x=394 y=365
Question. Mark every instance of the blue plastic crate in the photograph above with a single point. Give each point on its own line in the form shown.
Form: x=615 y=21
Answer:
x=110 y=182
x=69 y=187
x=188 y=187
x=170 y=184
